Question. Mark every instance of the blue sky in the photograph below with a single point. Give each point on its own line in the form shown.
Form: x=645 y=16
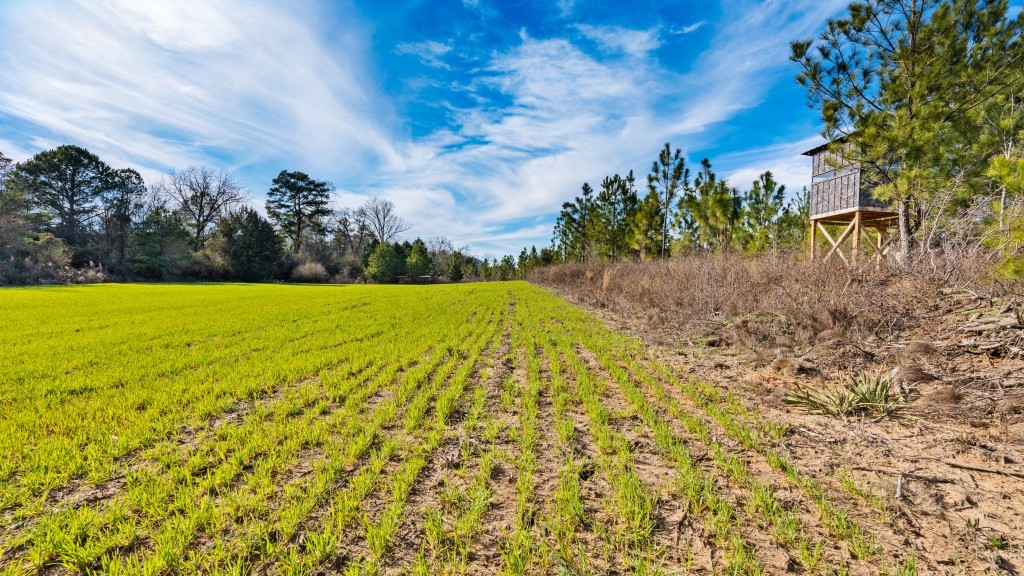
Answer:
x=477 y=118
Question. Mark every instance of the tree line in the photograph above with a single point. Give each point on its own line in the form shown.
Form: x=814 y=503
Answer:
x=66 y=215
x=678 y=214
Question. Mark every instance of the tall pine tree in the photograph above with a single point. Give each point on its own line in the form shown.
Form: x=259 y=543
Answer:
x=297 y=204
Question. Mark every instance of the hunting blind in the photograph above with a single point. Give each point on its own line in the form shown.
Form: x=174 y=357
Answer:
x=841 y=196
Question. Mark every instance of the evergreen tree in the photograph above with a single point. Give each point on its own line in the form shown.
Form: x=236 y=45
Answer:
x=763 y=207
x=615 y=205
x=298 y=203
x=645 y=226
x=159 y=245
x=121 y=202
x=576 y=225
x=714 y=206
x=12 y=200
x=522 y=263
x=67 y=184
x=385 y=264
x=795 y=221
x=897 y=82
x=249 y=244
x=506 y=269
x=419 y=261
x=669 y=176
x=456 y=266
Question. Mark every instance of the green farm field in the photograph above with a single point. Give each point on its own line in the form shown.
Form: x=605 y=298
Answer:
x=472 y=428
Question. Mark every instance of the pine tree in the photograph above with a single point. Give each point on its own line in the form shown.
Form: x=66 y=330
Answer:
x=159 y=245
x=248 y=243
x=385 y=264
x=669 y=176
x=614 y=207
x=763 y=206
x=645 y=226
x=576 y=226
x=715 y=208
x=897 y=81
x=456 y=266
x=298 y=203
x=419 y=261
x=67 y=184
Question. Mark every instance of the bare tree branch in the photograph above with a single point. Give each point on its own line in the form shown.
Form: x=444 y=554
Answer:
x=201 y=195
x=383 y=220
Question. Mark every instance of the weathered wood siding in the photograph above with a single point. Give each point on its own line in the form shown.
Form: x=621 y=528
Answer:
x=842 y=192
x=824 y=161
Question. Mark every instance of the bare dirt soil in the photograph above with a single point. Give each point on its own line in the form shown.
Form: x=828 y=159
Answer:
x=944 y=478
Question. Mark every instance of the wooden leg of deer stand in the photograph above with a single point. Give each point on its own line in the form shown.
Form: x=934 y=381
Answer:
x=814 y=238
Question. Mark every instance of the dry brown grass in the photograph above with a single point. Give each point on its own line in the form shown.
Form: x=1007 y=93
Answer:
x=765 y=301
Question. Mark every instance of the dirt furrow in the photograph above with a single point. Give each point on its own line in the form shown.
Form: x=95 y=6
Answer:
x=673 y=521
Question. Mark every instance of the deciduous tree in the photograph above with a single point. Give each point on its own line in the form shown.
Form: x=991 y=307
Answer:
x=122 y=203
x=201 y=195
x=383 y=220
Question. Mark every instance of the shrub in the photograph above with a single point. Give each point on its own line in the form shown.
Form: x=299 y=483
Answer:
x=385 y=264
x=313 y=272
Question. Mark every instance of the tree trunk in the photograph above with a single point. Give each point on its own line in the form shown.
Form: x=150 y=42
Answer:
x=904 y=225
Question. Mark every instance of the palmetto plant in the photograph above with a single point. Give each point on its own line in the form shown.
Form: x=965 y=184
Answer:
x=863 y=394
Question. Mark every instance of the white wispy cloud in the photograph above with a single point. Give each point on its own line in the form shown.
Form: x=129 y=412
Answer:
x=429 y=51
x=164 y=84
x=687 y=29
x=784 y=161
x=619 y=39
x=566 y=7
x=575 y=117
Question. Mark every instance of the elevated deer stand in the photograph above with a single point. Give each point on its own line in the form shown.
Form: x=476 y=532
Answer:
x=859 y=225
x=840 y=197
